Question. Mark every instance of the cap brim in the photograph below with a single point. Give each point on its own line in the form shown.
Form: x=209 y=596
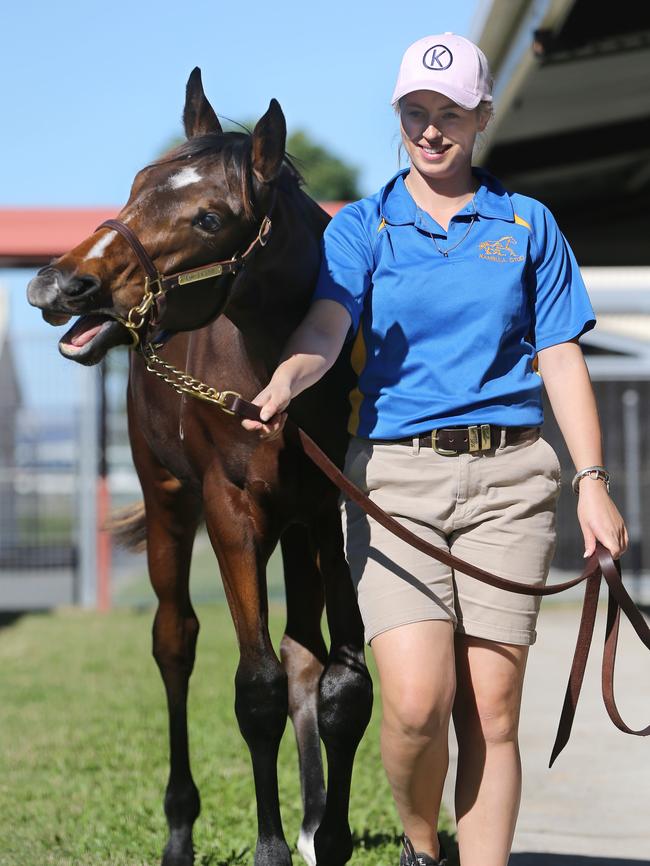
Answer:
x=460 y=97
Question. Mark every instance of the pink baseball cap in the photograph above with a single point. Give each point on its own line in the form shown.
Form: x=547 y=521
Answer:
x=448 y=64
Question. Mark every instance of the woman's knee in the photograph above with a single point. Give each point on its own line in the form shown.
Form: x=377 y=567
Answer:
x=499 y=723
x=491 y=714
x=415 y=710
x=418 y=679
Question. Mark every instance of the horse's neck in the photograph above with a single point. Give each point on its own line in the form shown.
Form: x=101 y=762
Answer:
x=276 y=292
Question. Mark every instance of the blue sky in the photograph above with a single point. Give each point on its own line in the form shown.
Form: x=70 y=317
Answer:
x=92 y=91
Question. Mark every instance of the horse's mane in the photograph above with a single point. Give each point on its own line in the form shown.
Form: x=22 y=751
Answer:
x=235 y=148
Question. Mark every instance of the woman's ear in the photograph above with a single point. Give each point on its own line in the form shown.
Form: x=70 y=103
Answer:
x=484 y=115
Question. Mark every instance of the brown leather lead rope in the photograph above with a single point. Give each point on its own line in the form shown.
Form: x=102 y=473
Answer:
x=600 y=564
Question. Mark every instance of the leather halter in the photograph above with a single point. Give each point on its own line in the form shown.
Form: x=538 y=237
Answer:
x=157 y=284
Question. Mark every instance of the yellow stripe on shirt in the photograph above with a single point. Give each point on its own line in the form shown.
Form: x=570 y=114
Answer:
x=358 y=362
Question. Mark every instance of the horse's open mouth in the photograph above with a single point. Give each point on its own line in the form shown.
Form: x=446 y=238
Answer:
x=90 y=338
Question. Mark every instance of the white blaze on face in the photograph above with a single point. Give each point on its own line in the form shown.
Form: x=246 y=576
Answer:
x=184 y=177
x=98 y=250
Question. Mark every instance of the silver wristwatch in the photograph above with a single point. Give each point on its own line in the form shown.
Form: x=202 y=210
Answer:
x=595 y=472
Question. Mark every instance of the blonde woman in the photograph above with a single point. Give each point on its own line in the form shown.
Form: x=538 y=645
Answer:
x=461 y=298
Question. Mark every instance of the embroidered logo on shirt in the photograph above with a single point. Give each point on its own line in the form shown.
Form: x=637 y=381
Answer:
x=500 y=251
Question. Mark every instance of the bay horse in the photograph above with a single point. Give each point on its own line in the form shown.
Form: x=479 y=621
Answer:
x=214 y=195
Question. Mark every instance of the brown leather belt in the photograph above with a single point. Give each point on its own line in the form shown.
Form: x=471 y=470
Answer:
x=462 y=440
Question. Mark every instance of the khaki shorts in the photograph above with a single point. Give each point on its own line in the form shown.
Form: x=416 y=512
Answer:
x=494 y=509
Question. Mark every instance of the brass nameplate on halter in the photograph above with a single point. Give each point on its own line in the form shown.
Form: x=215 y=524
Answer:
x=203 y=274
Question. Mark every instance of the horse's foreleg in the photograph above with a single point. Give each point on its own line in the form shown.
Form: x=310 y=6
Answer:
x=345 y=703
x=303 y=655
x=261 y=695
x=172 y=518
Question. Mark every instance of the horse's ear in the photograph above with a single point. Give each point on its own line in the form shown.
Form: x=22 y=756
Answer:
x=199 y=117
x=269 y=142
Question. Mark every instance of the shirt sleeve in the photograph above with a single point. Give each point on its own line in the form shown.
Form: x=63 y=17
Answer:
x=562 y=309
x=346 y=263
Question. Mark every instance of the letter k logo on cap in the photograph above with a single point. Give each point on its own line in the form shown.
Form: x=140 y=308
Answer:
x=438 y=57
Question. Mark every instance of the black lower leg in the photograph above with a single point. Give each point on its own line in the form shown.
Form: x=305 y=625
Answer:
x=344 y=712
x=182 y=804
x=261 y=706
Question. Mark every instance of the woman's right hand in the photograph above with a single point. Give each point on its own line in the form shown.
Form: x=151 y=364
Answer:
x=273 y=400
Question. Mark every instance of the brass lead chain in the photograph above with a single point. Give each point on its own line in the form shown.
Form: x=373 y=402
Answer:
x=137 y=315
x=183 y=383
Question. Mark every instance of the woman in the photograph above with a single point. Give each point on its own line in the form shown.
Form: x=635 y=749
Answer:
x=459 y=296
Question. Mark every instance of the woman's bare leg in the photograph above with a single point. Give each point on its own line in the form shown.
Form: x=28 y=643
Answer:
x=416 y=670
x=486 y=718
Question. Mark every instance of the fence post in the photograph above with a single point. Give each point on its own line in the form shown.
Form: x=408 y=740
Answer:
x=88 y=460
x=103 y=500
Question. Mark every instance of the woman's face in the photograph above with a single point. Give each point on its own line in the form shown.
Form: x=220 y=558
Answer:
x=438 y=134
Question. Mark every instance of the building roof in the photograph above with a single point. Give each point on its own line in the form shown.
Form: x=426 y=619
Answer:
x=572 y=121
x=31 y=237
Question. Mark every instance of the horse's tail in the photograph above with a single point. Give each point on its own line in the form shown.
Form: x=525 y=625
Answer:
x=128 y=527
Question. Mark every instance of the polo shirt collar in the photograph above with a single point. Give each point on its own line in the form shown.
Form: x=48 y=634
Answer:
x=491 y=199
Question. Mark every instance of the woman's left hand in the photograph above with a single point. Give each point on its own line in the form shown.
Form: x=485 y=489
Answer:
x=600 y=519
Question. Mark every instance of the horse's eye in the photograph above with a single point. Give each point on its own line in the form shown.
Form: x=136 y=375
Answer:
x=209 y=222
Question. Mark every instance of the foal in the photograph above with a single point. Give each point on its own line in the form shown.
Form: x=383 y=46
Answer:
x=202 y=202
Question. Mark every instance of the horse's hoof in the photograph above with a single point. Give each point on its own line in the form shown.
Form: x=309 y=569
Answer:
x=305 y=846
x=178 y=853
x=177 y=860
x=333 y=848
x=272 y=852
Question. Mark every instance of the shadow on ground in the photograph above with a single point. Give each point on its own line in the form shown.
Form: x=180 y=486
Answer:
x=368 y=841
x=529 y=859
x=9 y=617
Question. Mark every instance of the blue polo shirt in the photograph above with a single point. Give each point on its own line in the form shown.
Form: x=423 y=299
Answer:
x=448 y=340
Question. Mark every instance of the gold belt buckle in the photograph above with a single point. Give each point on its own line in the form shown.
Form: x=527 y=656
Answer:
x=445 y=451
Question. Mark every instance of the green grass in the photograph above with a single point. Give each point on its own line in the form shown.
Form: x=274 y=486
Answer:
x=83 y=763
x=135 y=589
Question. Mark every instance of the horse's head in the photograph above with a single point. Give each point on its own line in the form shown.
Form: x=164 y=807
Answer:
x=202 y=202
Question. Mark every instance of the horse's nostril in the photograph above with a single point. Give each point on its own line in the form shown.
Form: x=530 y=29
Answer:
x=78 y=286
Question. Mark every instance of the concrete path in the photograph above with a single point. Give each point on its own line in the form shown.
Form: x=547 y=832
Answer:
x=593 y=807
